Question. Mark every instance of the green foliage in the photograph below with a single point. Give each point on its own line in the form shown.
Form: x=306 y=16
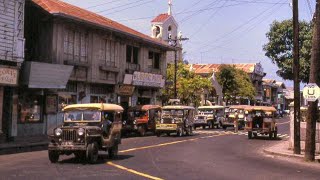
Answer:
x=280 y=48
x=235 y=83
x=189 y=85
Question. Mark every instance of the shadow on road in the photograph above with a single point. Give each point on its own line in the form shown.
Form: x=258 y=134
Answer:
x=102 y=159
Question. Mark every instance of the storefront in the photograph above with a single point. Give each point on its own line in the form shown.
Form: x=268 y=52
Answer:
x=146 y=89
x=8 y=101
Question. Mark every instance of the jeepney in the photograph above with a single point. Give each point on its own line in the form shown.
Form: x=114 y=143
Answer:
x=176 y=119
x=262 y=121
x=87 y=129
x=210 y=116
x=141 y=119
x=241 y=110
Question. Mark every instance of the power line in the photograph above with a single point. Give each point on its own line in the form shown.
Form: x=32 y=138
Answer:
x=238 y=27
x=117 y=7
x=310 y=9
x=130 y=7
x=110 y=2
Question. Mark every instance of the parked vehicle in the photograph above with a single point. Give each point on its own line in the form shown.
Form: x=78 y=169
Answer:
x=262 y=121
x=176 y=119
x=210 y=116
x=87 y=129
x=141 y=118
x=229 y=120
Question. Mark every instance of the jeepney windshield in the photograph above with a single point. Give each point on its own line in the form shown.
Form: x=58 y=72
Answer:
x=137 y=114
x=172 y=113
x=83 y=116
x=205 y=111
x=240 y=111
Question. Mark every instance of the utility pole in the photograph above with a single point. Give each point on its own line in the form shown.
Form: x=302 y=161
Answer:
x=314 y=71
x=296 y=85
x=174 y=43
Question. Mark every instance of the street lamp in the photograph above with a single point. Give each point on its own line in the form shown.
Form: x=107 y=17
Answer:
x=174 y=43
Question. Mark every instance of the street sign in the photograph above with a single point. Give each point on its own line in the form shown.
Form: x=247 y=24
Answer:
x=311 y=92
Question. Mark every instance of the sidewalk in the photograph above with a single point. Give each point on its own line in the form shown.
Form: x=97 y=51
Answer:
x=282 y=149
x=24 y=144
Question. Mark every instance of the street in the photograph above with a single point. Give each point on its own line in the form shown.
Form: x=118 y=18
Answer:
x=208 y=154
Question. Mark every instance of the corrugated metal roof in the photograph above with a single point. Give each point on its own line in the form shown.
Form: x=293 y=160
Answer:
x=209 y=68
x=57 y=7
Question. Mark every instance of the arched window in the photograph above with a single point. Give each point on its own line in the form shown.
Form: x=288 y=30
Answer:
x=157 y=31
x=169 y=28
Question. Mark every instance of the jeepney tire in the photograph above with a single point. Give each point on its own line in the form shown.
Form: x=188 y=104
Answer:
x=158 y=134
x=53 y=156
x=224 y=127
x=190 y=131
x=92 y=152
x=168 y=134
x=204 y=127
x=142 y=130
x=270 y=135
x=249 y=135
x=180 y=132
x=113 y=152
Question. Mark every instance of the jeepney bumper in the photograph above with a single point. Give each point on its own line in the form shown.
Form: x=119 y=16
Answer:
x=163 y=128
x=66 y=146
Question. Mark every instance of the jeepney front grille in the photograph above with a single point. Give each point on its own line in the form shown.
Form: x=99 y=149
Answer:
x=167 y=120
x=69 y=135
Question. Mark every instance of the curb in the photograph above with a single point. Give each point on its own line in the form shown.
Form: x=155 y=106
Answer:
x=283 y=154
x=12 y=149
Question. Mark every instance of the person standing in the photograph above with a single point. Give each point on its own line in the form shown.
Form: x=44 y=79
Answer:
x=236 y=121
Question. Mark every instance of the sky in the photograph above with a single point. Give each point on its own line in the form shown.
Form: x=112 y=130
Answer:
x=219 y=31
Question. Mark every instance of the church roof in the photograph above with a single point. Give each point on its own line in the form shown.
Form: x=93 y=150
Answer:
x=62 y=9
x=161 y=17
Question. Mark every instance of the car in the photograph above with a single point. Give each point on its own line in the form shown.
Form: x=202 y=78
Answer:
x=86 y=130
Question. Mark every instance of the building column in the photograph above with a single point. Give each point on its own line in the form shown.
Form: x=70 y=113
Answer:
x=1 y=109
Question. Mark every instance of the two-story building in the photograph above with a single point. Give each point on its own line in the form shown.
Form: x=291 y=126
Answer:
x=254 y=70
x=76 y=56
x=11 y=58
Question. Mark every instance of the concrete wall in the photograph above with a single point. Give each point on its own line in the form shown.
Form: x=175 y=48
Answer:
x=303 y=134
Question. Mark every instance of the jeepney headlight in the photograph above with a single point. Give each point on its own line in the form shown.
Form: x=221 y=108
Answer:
x=124 y=122
x=135 y=121
x=58 y=132
x=81 y=131
x=161 y=121
x=173 y=121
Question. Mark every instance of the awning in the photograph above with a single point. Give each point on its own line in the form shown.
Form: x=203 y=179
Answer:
x=45 y=75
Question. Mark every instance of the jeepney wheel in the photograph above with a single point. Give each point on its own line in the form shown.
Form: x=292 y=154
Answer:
x=142 y=130
x=190 y=132
x=113 y=152
x=249 y=135
x=180 y=132
x=92 y=152
x=224 y=127
x=210 y=124
x=204 y=127
x=168 y=134
x=158 y=134
x=53 y=156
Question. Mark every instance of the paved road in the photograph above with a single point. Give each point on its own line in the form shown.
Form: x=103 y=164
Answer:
x=209 y=154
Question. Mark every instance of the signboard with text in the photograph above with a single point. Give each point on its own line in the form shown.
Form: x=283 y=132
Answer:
x=8 y=76
x=311 y=92
x=147 y=79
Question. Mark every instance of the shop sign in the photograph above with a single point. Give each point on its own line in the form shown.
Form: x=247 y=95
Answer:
x=8 y=76
x=147 y=79
x=51 y=104
x=311 y=92
x=125 y=90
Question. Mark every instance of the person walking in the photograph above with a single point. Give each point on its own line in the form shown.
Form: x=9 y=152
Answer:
x=236 y=121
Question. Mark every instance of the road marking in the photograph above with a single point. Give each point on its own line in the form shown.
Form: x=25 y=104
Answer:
x=169 y=143
x=283 y=123
x=133 y=171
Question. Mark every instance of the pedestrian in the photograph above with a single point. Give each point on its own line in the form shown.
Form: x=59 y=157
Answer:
x=236 y=121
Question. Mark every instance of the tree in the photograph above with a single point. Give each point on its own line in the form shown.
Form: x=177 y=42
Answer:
x=280 y=48
x=189 y=85
x=235 y=83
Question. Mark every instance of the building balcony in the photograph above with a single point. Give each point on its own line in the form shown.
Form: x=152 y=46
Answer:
x=131 y=67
